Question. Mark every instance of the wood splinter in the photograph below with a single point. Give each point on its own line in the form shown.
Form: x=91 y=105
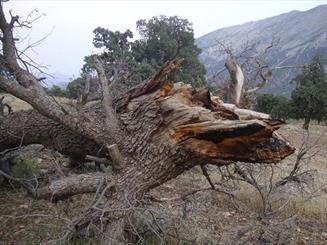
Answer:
x=118 y=162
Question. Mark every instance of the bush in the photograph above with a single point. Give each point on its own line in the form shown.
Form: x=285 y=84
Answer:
x=276 y=105
x=310 y=93
x=23 y=168
x=56 y=91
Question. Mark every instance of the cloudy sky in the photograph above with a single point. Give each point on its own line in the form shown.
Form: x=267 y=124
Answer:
x=70 y=23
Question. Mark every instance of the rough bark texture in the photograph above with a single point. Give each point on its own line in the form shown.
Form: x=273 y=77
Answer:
x=166 y=131
x=164 y=128
x=30 y=127
x=159 y=130
x=77 y=184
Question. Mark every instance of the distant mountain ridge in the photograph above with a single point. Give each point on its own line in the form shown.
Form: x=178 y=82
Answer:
x=301 y=34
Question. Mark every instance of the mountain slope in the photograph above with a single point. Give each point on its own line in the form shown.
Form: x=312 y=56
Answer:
x=302 y=35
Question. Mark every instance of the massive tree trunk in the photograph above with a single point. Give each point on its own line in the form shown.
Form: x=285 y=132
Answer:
x=173 y=115
x=160 y=130
x=167 y=129
x=151 y=134
x=30 y=127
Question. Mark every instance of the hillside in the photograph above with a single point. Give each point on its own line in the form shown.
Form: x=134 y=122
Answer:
x=302 y=35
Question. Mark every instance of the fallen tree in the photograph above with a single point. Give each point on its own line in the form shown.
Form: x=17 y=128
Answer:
x=151 y=134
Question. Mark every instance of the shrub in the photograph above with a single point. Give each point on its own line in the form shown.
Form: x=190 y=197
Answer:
x=23 y=168
x=276 y=105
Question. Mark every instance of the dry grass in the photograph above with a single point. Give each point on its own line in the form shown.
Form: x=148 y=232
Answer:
x=315 y=205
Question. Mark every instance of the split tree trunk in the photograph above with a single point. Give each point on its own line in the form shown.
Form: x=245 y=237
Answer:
x=167 y=130
x=152 y=134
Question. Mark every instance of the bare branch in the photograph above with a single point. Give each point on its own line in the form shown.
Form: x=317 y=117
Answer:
x=206 y=174
x=28 y=88
x=97 y=159
x=118 y=162
x=237 y=81
x=111 y=116
x=84 y=95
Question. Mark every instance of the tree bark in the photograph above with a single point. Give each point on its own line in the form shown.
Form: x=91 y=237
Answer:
x=237 y=81
x=30 y=127
x=168 y=130
x=73 y=185
x=307 y=120
x=152 y=134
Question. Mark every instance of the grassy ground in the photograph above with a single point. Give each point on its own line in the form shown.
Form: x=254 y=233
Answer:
x=204 y=218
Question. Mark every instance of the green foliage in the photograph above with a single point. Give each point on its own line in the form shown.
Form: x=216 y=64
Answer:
x=308 y=100
x=116 y=45
x=23 y=168
x=283 y=109
x=131 y=62
x=310 y=95
x=56 y=91
x=73 y=88
x=165 y=38
x=276 y=105
x=265 y=103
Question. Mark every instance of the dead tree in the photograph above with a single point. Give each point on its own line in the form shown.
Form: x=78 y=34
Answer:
x=248 y=73
x=151 y=134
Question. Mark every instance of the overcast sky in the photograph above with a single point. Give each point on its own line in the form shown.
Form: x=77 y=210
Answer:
x=71 y=22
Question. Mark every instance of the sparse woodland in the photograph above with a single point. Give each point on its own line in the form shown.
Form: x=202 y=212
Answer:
x=135 y=167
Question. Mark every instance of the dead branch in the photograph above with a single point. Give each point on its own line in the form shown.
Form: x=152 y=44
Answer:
x=111 y=117
x=118 y=162
x=30 y=90
x=206 y=174
x=83 y=97
x=296 y=175
x=100 y=160
x=69 y=186
x=156 y=82
x=4 y=105
x=248 y=72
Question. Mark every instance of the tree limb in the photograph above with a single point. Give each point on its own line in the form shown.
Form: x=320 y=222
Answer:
x=28 y=88
x=237 y=81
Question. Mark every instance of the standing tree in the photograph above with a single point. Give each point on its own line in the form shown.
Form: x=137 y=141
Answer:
x=129 y=63
x=117 y=59
x=310 y=94
x=277 y=106
x=150 y=134
x=116 y=56
x=165 y=38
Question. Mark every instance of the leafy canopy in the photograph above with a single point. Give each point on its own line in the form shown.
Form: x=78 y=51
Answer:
x=276 y=105
x=308 y=99
x=130 y=62
x=164 y=38
x=310 y=94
